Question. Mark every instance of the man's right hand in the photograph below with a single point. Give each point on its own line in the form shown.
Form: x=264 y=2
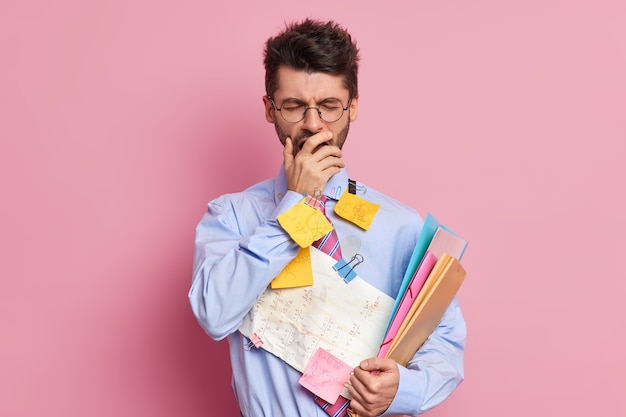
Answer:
x=316 y=161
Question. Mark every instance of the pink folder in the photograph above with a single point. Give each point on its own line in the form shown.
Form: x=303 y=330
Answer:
x=416 y=284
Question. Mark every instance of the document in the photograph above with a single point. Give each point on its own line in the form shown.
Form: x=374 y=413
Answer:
x=348 y=320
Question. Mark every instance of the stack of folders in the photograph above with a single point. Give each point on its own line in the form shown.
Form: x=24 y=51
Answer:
x=432 y=279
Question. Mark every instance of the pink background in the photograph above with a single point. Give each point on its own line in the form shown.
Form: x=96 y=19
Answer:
x=120 y=119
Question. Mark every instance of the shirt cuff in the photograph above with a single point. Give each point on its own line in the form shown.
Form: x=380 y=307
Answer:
x=407 y=397
x=290 y=199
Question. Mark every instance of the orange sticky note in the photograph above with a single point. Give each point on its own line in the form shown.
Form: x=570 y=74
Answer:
x=356 y=210
x=325 y=375
x=297 y=273
x=304 y=224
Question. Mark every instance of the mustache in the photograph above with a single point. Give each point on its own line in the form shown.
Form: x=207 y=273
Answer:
x=299 y=139
x=302 y=136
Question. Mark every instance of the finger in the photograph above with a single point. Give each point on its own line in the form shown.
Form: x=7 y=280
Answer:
x=356 y=386
x=364 y=399
x=377 y=364
x=288 y=152
x=357 y=403
x=370 y=374
x=325 y=152
x=329 y=172
x=314 y=141
x=327 y=160
x=357 y=409
x=360 y=380
x=356 y=400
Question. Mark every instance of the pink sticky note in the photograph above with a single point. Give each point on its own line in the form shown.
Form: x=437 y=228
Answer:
x=325 y=375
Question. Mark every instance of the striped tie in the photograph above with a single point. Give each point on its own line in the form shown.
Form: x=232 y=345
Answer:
x=329 y=244
x=339 y=409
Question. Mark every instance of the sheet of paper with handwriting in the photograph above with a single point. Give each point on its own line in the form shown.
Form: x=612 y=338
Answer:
x=346 y=319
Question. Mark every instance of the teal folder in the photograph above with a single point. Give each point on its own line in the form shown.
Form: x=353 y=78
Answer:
x=431 y=224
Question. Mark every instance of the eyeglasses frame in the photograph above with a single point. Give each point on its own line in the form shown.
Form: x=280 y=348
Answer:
x=307 y=108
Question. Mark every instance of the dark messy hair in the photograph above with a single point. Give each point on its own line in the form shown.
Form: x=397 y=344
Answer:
x=312 y=46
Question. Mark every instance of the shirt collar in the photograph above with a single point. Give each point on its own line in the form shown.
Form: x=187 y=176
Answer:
x=335 y=187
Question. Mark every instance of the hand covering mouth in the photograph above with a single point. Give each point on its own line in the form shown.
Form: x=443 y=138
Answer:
x=301 y=140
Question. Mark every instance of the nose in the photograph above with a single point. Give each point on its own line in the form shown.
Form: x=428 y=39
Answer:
x=312 y=120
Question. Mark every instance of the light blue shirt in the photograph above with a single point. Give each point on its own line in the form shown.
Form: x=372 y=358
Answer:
x=240 y=248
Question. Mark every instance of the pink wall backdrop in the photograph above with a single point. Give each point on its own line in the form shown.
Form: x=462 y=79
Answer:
x=120 y=120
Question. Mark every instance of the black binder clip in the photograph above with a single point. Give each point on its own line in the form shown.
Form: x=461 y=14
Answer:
x=351 y=186
x=346 y=269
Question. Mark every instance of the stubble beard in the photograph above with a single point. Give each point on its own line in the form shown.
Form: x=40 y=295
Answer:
x=338 y=141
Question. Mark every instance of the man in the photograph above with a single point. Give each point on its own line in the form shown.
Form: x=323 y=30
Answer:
x=311 y=98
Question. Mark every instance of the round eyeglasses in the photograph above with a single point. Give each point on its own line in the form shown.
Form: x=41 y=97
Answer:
x=293 y=111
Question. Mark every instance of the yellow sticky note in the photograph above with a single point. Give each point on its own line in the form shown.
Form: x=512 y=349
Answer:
x=356 y=210
x=297 y=273
x=304 y=224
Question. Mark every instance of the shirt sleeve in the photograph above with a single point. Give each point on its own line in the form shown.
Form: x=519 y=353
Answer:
x=435 y=370
x=237 y=253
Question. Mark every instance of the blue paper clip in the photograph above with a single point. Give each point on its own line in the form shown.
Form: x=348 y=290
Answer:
x=346 y=269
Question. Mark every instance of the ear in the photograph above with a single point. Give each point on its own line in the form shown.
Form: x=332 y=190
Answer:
x=354 y=109
x=270 y=113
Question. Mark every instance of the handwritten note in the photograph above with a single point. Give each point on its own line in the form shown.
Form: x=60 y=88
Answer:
x=304 y=223
x=297 y=273
x=356 y=210
x=325 y=375
x=347 y=320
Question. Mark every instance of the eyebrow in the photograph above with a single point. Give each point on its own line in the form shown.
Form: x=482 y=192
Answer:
x=297 y=100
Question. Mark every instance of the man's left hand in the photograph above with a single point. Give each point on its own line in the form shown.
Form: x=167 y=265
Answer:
x=373 y=386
